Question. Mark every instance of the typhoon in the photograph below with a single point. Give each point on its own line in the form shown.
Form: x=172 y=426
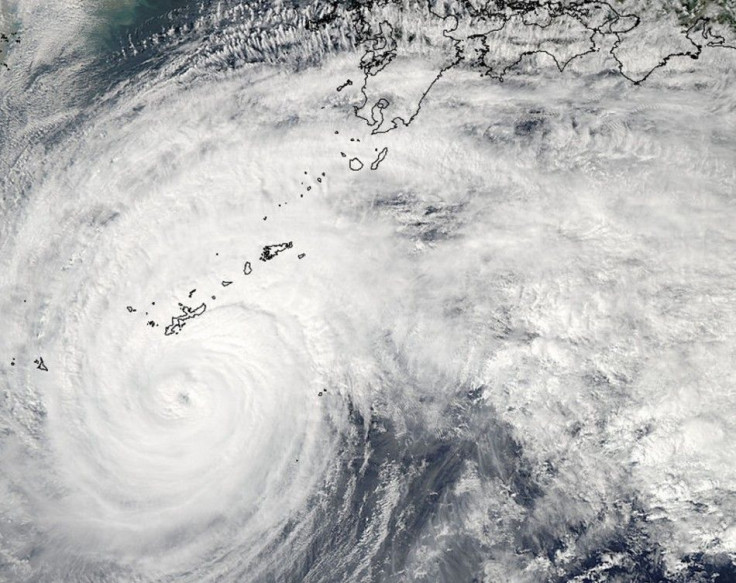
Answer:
x=367 y=291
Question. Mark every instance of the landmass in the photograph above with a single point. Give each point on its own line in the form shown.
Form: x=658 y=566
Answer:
x=496 y=37
x=346 y=84
x=380 y=158
x=271 y=251
x=5 y=43
x=178 y=322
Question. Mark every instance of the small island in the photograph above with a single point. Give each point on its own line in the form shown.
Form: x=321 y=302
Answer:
x=271 y=251
x=187 y=313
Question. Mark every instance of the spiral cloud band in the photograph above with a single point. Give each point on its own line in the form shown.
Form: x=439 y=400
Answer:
x=261 y=322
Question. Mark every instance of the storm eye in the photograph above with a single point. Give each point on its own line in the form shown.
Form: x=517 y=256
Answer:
x=184 y=398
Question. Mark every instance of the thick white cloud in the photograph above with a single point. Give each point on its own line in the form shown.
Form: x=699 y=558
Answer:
x=561 y=242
